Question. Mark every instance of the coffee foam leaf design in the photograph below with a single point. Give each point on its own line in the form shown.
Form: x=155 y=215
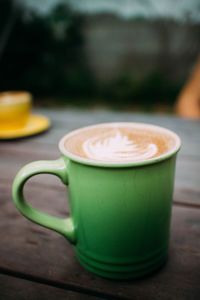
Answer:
x=117 y=147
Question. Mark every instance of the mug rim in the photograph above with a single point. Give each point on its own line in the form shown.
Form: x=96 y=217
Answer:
x=107 y=164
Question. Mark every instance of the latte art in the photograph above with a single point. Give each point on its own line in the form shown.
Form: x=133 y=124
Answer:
x=117 y=147
x=118 y=143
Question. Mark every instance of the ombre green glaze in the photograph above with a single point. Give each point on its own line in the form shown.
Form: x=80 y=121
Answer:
x=120 y=216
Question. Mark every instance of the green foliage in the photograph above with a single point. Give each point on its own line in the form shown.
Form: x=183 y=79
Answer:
x=45 y=56
x=151 y=89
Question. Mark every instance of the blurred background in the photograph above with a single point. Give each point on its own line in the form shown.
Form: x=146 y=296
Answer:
x=118 y=54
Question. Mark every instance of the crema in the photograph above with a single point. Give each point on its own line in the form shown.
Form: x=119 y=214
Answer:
x=118 y=142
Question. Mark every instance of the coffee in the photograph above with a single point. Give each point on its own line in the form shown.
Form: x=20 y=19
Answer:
x=14 y=97
x=119 y=142
x=15 y=109
x=120 y=179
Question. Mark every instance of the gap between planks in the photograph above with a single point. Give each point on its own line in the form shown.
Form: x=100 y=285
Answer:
x=57 y=284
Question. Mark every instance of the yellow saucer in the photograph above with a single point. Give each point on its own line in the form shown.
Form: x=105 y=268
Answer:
x=35 y=124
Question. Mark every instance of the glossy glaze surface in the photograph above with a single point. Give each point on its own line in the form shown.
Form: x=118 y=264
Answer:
x=120 y=217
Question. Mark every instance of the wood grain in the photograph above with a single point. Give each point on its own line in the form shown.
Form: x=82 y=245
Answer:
x=15 y=154
x=43 y=255
x=44 y=261
x=64 y=121
x=12 y=288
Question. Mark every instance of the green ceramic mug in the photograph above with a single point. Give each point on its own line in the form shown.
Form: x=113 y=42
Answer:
x=120 y=213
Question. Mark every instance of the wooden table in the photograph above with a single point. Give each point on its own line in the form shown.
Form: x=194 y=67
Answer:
x=36 y=263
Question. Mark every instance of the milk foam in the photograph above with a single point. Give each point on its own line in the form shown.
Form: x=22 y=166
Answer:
x=117 y=147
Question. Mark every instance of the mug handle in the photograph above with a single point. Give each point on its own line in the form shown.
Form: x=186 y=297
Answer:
x=56 y=167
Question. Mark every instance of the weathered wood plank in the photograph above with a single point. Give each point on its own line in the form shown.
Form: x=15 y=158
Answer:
x=12 y=288
x=13 y=155
x=74 y=118
x=186 y=197
x=187 y=174
x=68 y=115
x=182 y=195
x=67 y=120
x=187 y=171
x=24 y=244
